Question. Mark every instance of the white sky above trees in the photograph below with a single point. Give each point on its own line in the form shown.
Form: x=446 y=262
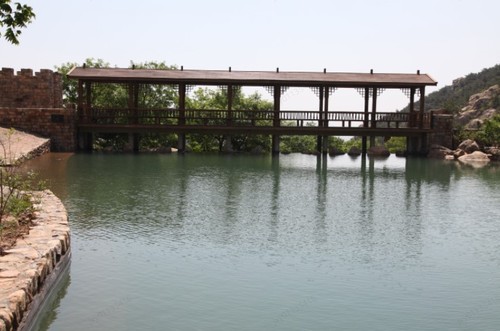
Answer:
x=444 y=38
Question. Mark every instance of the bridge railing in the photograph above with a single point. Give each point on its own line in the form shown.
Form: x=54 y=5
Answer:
x=214 y=117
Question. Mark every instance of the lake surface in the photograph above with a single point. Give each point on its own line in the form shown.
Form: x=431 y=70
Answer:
x=297 y=242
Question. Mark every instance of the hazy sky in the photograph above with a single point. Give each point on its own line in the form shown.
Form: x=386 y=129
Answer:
x=446 y=39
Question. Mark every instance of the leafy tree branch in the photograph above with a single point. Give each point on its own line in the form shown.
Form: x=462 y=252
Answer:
x=14 y=17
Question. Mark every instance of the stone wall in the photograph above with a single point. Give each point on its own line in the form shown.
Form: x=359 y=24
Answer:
x=58 y=124
x=443 y=130
x=33 y=103
x=27 y=90
x=31 y=268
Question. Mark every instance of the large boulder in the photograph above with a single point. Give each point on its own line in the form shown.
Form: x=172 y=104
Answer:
x=378 y=151
x=494 y=153
x=458 y=152
x=475 y=157
x=439 y=152
x=469 y=146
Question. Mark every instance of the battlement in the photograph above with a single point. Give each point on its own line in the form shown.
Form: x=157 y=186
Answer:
x=24 y=89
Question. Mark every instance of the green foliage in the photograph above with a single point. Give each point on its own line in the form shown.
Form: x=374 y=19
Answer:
x=155 y=96
x=109 y=142
x=460 y=134
x=217 y=99
x=204 y=142
x=154 y=142
x=14 y=17
x=70 y=86
x=19 y=205
x=337 y=143
x=489 y=134
x=15 y=191
x=298 y=144
x=396 y=144
x=353 y=142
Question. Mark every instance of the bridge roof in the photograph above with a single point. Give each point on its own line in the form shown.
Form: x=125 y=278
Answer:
x=251 y=78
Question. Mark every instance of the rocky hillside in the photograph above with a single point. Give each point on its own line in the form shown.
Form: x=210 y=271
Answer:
x=456 y=96
x=467 y=93
x=480 y=107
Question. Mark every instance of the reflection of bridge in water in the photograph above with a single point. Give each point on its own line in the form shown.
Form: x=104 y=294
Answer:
x=323 y=122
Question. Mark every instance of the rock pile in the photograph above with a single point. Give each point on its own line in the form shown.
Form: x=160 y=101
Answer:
x=467 y=152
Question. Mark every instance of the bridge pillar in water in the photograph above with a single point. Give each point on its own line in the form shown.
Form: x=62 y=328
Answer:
x=417 y=145
x=181 y=143
x=133 y=143
x=372 y=141
x=322 y=144
x=86 y=141
x=227 y=145
x=325 y=145
x=275 y=144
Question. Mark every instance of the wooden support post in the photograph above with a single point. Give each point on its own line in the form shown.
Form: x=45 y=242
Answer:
x=422 y=141
x=228 y=146
x=366 y=120
x=374 y=111
x=229 y=105
x=88 y=139
x=133 y=105
x=88 y=101
x=181 y=137
x=422 y=107
x=325 y=118
x=276 y=119
x=411 y=123
x=319 y=139
x=79 y=108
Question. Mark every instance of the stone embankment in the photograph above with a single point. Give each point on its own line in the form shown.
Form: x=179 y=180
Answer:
x=31 y=267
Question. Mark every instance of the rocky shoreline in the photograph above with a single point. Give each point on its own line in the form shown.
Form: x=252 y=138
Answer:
x=467 y=152
x=30 y=268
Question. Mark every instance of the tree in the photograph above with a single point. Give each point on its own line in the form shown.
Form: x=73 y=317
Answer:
x=70 y=86
x=14 y=17
x=216 y=99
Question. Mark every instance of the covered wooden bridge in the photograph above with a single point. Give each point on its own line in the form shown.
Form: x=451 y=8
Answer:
x=321 y=122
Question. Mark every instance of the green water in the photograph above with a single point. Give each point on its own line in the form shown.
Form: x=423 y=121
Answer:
x=236 y=242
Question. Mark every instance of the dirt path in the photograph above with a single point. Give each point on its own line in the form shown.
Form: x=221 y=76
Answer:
x=16 y=146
